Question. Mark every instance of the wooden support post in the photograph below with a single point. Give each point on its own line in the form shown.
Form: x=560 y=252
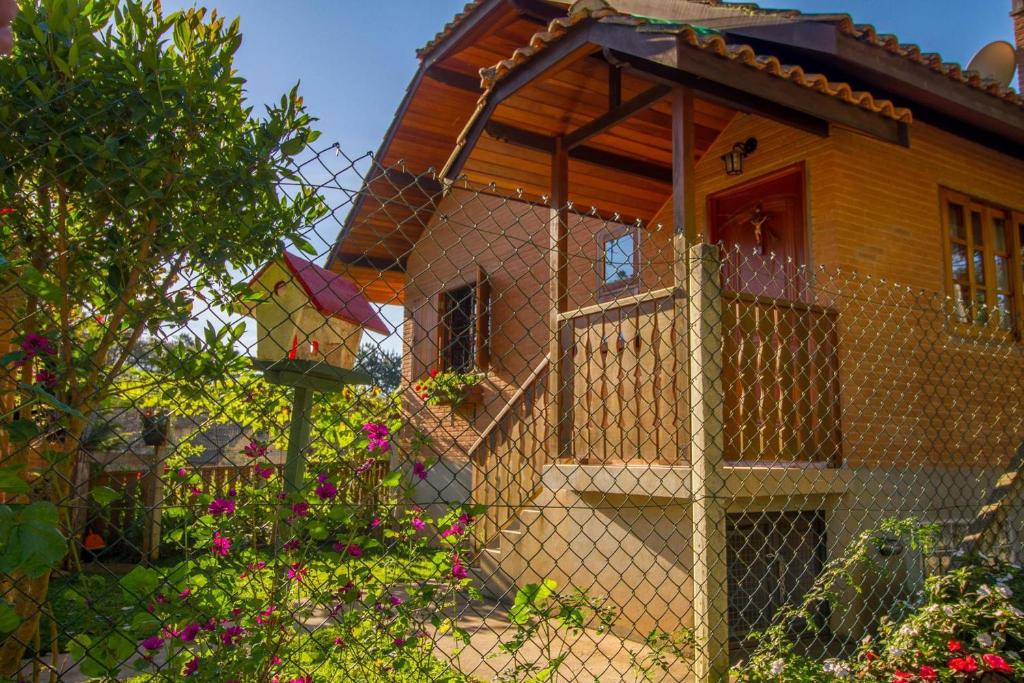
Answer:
x=152 y=504
x=298 y=440
x=684 y=182
x=707 y=443
x=560 y=341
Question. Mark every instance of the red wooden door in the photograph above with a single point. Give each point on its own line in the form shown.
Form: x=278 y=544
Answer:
x=760 y=225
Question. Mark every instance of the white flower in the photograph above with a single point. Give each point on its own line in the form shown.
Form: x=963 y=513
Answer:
x=778 y=666
x=1004 y=591
x=985 y=640
x=950 y=612
x=837 y=668
x=908 y=630
x=1016 y=612
x=896 y=651
x=984 y=591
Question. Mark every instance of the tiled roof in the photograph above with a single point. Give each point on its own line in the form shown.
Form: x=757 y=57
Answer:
x=698 y=38
x=449 y=27
x=932 y=60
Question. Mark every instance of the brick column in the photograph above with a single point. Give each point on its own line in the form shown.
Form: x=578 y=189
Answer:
x=1018 y=32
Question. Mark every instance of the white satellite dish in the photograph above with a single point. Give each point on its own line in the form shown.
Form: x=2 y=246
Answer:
x=995 y=62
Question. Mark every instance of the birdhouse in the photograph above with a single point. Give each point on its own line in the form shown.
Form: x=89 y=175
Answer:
x=305 y=312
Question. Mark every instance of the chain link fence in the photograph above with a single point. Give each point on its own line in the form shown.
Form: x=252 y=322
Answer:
x=275 y=413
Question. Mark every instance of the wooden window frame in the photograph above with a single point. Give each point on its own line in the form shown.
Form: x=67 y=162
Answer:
x=613 y=290
x=481 y=321
x=1014 y=221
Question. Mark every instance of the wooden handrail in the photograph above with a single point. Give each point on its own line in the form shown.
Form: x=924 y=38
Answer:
x=779 y=303
x=622 y=302
x=516 y=397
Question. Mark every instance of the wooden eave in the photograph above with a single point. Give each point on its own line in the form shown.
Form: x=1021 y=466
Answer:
x=939 y=93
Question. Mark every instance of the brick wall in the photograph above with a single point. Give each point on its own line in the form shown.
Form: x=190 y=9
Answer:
x=1018 y=32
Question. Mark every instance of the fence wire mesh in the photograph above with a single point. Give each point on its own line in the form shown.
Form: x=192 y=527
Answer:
x=429 y=458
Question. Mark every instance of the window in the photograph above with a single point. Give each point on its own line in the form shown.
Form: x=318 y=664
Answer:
x=618 y=264
x=464 y=331
x=985 y=261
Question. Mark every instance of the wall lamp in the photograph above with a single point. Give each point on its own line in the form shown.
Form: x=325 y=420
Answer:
x=734 y=158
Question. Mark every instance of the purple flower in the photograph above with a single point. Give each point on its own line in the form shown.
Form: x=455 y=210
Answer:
x=454 y=530
x=221 y=544
x=326 y=491
x=297 y=572
x=185 y=593
x=377 y=434
x=420 y=470
x=375 y=522
x=153 y=643
x=352 y=549
x=222 y=506
x=188 y=634
x=264 y=472
x=191 y=667
x=395 y=600
x=300 y=509
x=292 y=545
x=35 y=344
x=182 y=472
x=229 y=635
x=398 y=642
x=47 y=379
x=418 y=524
x=458 y=570
x=255 y=449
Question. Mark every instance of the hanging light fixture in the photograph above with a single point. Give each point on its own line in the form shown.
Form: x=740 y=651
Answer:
x=734 y=158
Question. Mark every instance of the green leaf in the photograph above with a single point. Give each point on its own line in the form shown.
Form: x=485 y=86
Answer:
x=293 y=146
x=140 y=582
x=47 y=397
x=393 y=479
x=11 y=357
x=104 y=495
x=9 y=619
x=34 y=283
x=21 y=431
x=10 y=482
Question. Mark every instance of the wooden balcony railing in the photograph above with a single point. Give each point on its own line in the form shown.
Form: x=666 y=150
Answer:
x=780 y=376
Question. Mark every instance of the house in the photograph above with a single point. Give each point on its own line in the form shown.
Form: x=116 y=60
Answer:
x=743 y=282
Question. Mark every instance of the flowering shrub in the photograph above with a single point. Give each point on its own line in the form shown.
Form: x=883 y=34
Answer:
x=265 y=569
x=963 y=625
x=447 y=387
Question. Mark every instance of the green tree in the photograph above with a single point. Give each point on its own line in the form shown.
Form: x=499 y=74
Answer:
x=384 y=366
x=138 y=181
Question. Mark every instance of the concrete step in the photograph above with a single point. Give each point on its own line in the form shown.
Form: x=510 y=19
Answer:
x=491 y=579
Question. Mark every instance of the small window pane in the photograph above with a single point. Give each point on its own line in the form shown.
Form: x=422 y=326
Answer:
x=999 y=229
x=979 y=267
x=959 y=253
x=618 y=259
x=956 y=222
x=976 y=224
x=980 y=309
x=1002 y=273
x=1003 y=302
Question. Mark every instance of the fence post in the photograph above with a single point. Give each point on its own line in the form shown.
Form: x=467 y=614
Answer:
x=707 y=441
x=559 y=350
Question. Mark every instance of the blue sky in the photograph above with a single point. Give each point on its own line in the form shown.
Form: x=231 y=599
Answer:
x=354 y=58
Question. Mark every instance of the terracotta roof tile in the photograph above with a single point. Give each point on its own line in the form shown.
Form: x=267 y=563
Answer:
x=932 y=60
x=449 y=27
x=700 y=39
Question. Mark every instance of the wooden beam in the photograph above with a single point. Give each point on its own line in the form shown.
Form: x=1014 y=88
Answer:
x=616 y=115
x=537 y=10
x=454 y=79
x=614 y=86
x=915 y=83
x=384 y=265
x=560 y=343
x=684 y=181
x=590 y=155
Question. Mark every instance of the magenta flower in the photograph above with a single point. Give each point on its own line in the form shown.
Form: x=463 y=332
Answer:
x=418 y=524
x=375 y=522
x=264 y=472
x=264 y=616
x=326 y=491
x=188 y=634
x=292 y=545
x=455 y=529
x=35 y=344
x=153 y=643
x=221 y=544
x=182 y=472
x=398 y=642
x=352 y=549
x=300 y=509
x=458 y=570
x=191 y=667
x=232 y=633
x=255 y=449
x=185 y=593
x=419 y=470
x=222 y=506
x=395 y=600
x=377 y=434
x=297 y=572
x=47 y=379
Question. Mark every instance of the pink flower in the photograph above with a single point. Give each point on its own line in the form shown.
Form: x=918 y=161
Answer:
x=222 y=506
x=221 y=544
x=300 y=509
x=264 y=616
x=153 y=643
x=47 y=379
x=377 y=433
x=419 y=470
x=182 y=472
x=296 y=572
x=255 y=449
x=352 y=549
x=36 y=344
x=229 y=635
x=191 y=667
x=418 y=524
x=326 y=491
x=455 y=529
x=293 y=544
x=375 y=522
x=188 y=634
x=264 y=472
x=395 y=600
x=185 y=593
x=458 y=571
x=997 y=663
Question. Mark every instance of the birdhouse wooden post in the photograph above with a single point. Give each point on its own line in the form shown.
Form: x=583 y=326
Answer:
x=309 y=325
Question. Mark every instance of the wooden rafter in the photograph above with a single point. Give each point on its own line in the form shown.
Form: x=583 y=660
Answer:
x=616 y=115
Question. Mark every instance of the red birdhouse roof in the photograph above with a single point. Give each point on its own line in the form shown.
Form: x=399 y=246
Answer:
x=331 y=294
